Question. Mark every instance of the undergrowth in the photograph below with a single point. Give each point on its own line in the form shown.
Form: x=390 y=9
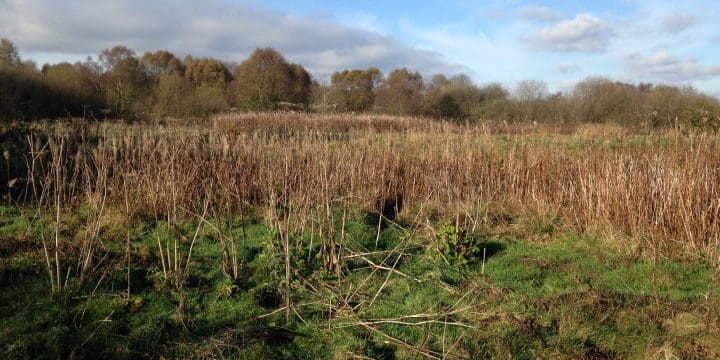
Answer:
x=412 y=295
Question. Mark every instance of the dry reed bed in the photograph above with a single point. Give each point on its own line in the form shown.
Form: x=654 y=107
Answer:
x=293 y=123
x=667 y=195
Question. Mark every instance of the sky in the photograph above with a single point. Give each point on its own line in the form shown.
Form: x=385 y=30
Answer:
x=559 y=42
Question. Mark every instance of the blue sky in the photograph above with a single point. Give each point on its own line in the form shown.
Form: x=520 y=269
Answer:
x=559 y=42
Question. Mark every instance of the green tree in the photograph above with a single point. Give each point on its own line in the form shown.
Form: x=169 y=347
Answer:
x=354 y=90
x=125 y=81
x=206 y=72
x=24 y=95
x=301 y=85
x=401 y=93
x=112 y=59
x=209 y=78
x=74 y=87
x=493 y=92
x=9 y=54
x=266 y=78
x=172 y=96
x=161 y=62
x=438 y=82
x=458 y=98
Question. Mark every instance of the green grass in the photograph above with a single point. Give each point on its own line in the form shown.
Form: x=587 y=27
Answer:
x=566 y=295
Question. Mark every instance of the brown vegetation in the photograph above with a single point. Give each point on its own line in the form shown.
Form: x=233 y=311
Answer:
x=662 y=190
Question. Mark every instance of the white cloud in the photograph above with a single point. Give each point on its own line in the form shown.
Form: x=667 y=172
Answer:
x=211 y=28
x=666 y=67
x=678 y=23
x=540 y=13
x=582 y=34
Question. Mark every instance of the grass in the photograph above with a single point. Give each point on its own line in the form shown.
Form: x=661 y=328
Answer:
x=390 y=238
x=565 y=295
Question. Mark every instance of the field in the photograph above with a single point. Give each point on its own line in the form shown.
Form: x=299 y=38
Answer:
x=284 y=235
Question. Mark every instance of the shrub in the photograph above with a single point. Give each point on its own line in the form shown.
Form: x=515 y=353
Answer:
x=458 y=247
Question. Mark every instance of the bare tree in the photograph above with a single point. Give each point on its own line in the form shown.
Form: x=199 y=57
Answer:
x=531 y=90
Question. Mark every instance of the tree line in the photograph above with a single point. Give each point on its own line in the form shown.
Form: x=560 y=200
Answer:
x=118 y=83
x=593 y=100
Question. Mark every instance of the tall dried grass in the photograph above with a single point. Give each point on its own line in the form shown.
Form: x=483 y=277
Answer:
x=662 y=190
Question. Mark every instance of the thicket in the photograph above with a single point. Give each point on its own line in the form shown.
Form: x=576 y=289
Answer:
x=121 y=84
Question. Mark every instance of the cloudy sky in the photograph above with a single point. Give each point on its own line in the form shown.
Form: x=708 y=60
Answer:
x=559 y=41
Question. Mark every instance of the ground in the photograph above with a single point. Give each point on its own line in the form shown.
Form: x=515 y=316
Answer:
x=541 y=291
